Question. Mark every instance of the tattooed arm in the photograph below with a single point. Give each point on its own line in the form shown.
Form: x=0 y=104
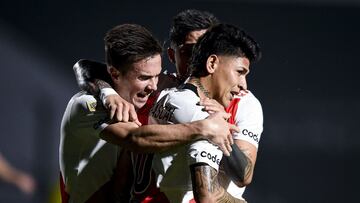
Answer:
x=239 y=166
x=250 y=151
x=206 y=186
x=92 y=76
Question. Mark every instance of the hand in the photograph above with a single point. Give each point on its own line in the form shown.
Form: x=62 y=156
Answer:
x=121 y=110
x=25 y=183
x=211 y=105
x=219 y=131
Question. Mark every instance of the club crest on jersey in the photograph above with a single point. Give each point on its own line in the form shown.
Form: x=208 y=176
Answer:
x=163 y=110
x=91 y=105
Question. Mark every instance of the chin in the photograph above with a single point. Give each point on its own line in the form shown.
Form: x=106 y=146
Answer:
x=225 y=103
x=138 y=104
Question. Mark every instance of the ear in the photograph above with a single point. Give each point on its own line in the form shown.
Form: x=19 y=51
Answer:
x=171 y=54
x=212 y=63
x=114 y=73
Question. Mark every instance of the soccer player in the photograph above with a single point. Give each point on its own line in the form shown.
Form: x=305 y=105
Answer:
x=246 y=110
x=219 y=64
x=91 y=144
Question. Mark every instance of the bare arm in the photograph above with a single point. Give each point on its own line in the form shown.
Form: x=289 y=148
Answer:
x=10 y=174
x=242 y=167
x=155 y=138
x=91 y=76
x=250 y=152
x=206 y=187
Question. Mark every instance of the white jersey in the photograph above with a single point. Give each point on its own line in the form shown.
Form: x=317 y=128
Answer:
x=249 y=118
x=172 y=167
x=86 y=161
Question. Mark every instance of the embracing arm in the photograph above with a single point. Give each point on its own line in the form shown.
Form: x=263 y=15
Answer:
x=92 y=76
x=155 y=138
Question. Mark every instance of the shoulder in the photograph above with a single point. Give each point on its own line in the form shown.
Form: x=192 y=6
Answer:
x=167 y=80
x=179 y=96
x=84 y=114
x=249 y=100
x=83 y=102
x=84 y=106
x=249 y=118
x=247 y=104
x=176 y=105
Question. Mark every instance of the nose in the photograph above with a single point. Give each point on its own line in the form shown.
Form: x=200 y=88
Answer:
x=243 y=83
x=152 y=86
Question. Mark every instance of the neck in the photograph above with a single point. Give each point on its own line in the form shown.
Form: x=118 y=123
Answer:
x=202 y=90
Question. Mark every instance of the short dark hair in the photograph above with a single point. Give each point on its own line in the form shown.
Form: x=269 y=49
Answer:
x=187 y=21
x=129 y=43
x=222 y=39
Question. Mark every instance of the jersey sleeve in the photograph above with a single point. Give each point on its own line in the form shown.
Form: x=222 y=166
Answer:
x=249 y=118
x=180 y=106
x=87 y=115
x=177 y=106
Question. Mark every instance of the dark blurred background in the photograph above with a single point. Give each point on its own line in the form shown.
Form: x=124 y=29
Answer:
x=306 y=82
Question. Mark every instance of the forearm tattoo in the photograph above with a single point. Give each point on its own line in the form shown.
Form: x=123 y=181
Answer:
x=92 y=76
x=205 y=184
x=100 y=84
x=249 y=166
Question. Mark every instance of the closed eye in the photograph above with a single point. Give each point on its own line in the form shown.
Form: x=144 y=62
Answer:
x=145 y=77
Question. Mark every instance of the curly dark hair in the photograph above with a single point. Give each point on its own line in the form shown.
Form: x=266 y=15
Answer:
x=222 y=39
x=187 y=21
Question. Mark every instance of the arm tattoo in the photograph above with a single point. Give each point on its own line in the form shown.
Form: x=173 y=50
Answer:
x=205 y=184
x=238 y=166
x=91 y=76
x=249 y=166
x=99 y=84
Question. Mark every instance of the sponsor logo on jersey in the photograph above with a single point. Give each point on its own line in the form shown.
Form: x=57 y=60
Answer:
x=91 y=105
x=163 y=111
x=252 y=135
x=211 y=157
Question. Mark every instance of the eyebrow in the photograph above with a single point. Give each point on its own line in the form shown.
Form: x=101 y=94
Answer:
x=247 y=70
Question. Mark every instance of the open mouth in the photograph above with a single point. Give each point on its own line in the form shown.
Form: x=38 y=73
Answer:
x=233 y=94
x=143 y=94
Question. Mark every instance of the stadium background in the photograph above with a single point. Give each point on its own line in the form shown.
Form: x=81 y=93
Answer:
x=306 y=81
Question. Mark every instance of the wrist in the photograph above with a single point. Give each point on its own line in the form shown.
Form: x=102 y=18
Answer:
x=104 y=92
x=198 y=129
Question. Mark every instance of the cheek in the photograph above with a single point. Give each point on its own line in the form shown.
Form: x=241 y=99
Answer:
x=138 y=87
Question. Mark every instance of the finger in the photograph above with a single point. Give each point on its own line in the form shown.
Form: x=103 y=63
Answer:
x=224 y=150
x=230 y=139
x=137 y=122
x=226 y=116
x=234 y=128
x=132 y=113
x=125 y=113
x=119 y=110
x=228 y=146
x=207 y=103
x=210 y=102
x=112 y=111
x=211 y=112
x=213 y=109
